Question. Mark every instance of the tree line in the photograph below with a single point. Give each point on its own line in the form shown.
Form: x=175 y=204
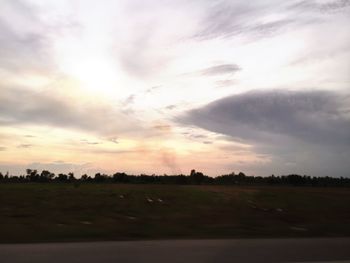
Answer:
x=195 y=178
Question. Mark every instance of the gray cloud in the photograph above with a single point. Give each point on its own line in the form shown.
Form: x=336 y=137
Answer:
x=153 y=89
x=21 y=52
x=221 y=69
x=225 y=82
x=229 y=18
x=198 y=136
x=338 y=4
x=224 y=19
x=288 y=126
x=313 y=116
x=26 y=46
x=171 y=107
x=334 y=5
x=269 y=28
x=328 y=7
x=26 y=39
x=21 y=106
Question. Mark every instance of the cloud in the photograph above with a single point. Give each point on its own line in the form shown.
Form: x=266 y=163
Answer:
x=198 y=136
x=265 y=29
x=24 y=45
x=113 y=139
x=2 y=148
x=20 y=106
x=143 y=51
x=153 y=89
x=226 y=82
x=29 y=136
x=225 y=19
x=110 y=151
x=307 y=127
x=220 y=69
x=327 y=7
x=230 y=18
x=129 y=100
x=312 y=116
x=89 y=142
x=334 y=5
x=166 y=128
x=25 y=146
x=171 y=107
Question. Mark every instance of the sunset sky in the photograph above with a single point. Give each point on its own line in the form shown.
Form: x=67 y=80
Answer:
x=168 y=86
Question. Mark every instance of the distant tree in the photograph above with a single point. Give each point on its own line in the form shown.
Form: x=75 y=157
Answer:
x=46 y=176
x=197 y=177
x=84 y=177
x=181 y=179
x=120 y=177
x=62 y=177
x=241 y=175
x=71 y=176
x=32 y=175
x=295 y=179
x=99 y=178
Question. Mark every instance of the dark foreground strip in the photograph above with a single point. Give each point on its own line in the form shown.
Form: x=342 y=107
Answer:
x=234 y=250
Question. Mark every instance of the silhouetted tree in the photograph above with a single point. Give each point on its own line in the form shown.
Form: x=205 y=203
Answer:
x=32 y=175
x=197 y=177
x=120 y=177
x=99 y=178
x=84 y=177
x=71 y=177
x=46 y=176
x=62 y=177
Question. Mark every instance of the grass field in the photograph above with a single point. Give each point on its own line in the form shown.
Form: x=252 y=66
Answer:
x=62 y=212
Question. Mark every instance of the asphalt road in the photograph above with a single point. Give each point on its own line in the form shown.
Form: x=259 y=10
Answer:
x=233 y=250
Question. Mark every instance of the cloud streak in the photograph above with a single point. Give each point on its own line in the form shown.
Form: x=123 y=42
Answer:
x=225 y=19
x=220 y=70
x=25 y=146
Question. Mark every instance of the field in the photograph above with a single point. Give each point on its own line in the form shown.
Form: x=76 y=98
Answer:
x=64 y=212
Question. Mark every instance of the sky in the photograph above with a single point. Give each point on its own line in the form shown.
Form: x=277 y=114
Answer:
x=163 y=87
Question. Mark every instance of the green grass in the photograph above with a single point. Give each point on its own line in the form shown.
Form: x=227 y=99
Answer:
x=61 y=212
